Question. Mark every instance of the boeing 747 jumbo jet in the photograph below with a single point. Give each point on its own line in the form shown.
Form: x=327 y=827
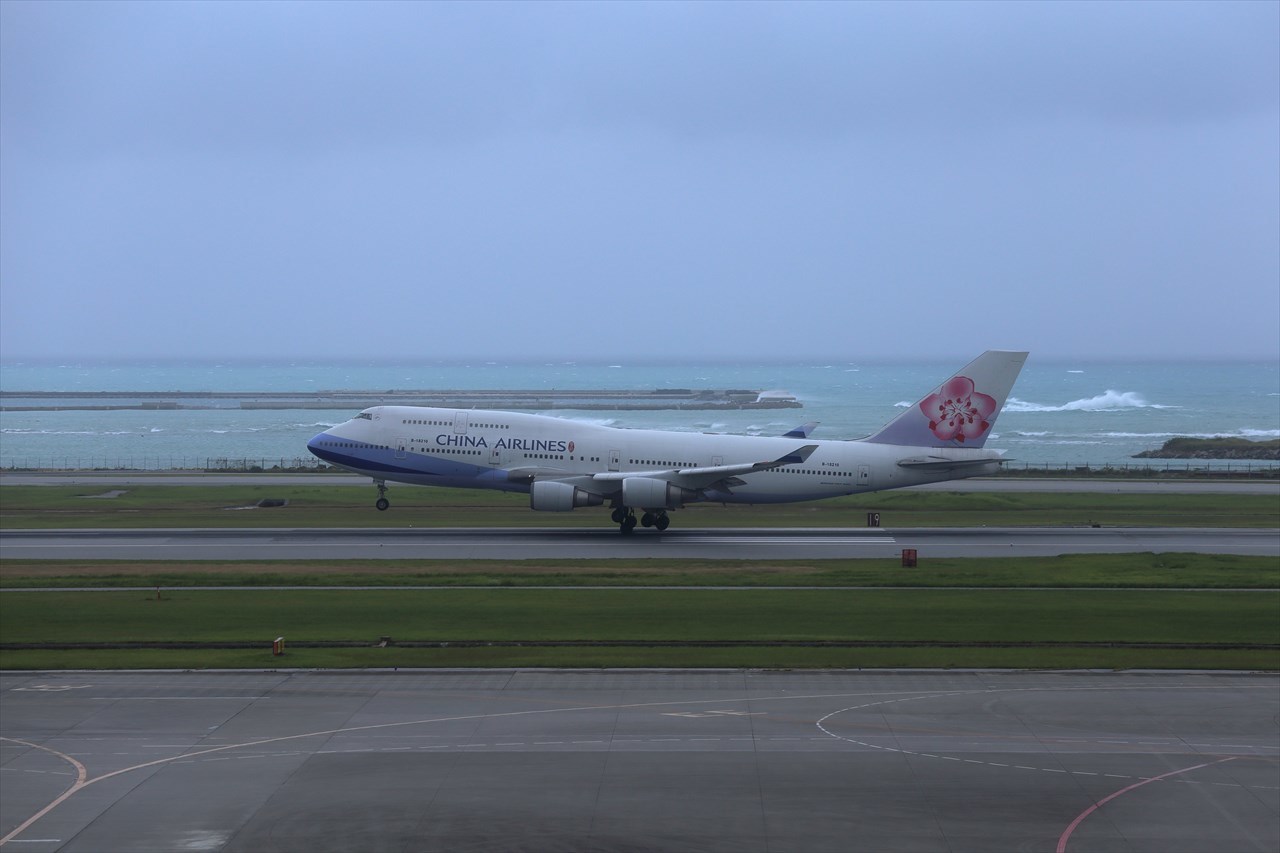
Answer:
x=563 y=464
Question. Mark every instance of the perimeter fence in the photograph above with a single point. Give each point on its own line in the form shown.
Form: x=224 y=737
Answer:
x=1181 y=468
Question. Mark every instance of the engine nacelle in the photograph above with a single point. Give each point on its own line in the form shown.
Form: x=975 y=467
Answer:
x=649 y=493
x=554 y=496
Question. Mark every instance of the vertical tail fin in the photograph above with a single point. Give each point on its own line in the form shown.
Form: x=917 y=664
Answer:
x=962 y=410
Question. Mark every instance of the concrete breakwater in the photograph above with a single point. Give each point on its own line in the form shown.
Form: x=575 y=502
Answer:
x=530 y=400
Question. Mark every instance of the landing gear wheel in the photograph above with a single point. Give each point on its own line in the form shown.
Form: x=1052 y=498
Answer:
x=628 y=524
x=619 y=513
x=382 y=503
x=662 y=522
x=646 y=520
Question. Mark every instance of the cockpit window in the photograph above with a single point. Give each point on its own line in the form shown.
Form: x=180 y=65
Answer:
x=366 y=416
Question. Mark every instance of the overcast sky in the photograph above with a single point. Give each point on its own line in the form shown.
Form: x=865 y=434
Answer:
x=606 y=181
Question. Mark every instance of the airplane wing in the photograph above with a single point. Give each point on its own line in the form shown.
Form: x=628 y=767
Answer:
x=529 y=473
x=801 y=431
x=702 y=478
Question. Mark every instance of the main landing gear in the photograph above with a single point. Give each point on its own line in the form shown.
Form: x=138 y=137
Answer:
x=382 y=503
x=625 y=518
x=655 y=519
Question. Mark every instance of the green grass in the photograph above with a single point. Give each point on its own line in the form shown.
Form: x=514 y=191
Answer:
x=1149 y=597
x=1139 y=570
x=1057 y=628
x=956 y=616
x=59 y=507
x=762 y=658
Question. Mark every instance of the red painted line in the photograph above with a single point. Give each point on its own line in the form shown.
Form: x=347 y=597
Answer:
x=1062 y=841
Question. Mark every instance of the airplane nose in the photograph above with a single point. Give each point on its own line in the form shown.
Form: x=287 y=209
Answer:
x=316 y=445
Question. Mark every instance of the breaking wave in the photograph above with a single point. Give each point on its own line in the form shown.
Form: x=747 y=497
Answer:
x=607 y=422
x=67 y=432
x=1109 y=401
x=1239 y=433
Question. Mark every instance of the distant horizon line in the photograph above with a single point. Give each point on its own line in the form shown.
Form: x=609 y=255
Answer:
x=621 y=361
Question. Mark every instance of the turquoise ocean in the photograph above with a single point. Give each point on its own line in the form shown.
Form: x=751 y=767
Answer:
x=1061 y=414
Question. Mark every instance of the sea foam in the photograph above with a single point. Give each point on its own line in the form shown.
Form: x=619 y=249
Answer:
x=1108 y=401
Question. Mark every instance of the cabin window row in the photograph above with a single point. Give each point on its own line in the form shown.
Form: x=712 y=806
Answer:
x=413 y=422
x=663 y=463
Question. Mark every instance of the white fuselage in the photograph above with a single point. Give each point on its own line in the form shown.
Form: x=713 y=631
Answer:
x=510 y=450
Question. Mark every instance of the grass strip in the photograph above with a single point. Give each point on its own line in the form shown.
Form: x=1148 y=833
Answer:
x=653 y=628
x=1131 y=570
x=635 y=615
x=756 y=658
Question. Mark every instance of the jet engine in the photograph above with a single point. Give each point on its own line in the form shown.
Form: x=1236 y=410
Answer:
x=649 y=493
x=554 y=496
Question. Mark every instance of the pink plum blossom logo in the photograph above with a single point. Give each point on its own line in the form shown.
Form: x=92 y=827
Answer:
x=958 y=412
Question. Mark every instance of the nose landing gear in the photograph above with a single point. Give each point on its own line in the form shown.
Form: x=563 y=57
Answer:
x=382 y=503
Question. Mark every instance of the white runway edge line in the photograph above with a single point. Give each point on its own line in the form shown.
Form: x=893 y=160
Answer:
x=946 y=694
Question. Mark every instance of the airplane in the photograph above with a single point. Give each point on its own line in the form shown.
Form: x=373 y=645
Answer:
x=564 y=464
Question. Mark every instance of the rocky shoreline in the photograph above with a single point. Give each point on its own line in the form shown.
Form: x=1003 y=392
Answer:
x=1215 y=448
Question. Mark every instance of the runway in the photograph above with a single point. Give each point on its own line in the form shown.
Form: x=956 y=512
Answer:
x=639 y=760
x=977 y=484
x=606 y=543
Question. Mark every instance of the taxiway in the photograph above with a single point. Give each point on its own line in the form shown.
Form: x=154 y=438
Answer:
x=639 y=760
x=977 y=484
x=606 y=543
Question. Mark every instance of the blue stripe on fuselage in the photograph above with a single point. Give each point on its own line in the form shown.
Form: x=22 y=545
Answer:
x=361 y=456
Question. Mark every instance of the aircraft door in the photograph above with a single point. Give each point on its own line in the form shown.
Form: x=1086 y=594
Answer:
x=402 y=447
x=459 y=423
x=864 y=475
x=615 y=460
x=495 y=458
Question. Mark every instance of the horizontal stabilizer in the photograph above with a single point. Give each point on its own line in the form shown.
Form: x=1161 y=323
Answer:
x=940 y=463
